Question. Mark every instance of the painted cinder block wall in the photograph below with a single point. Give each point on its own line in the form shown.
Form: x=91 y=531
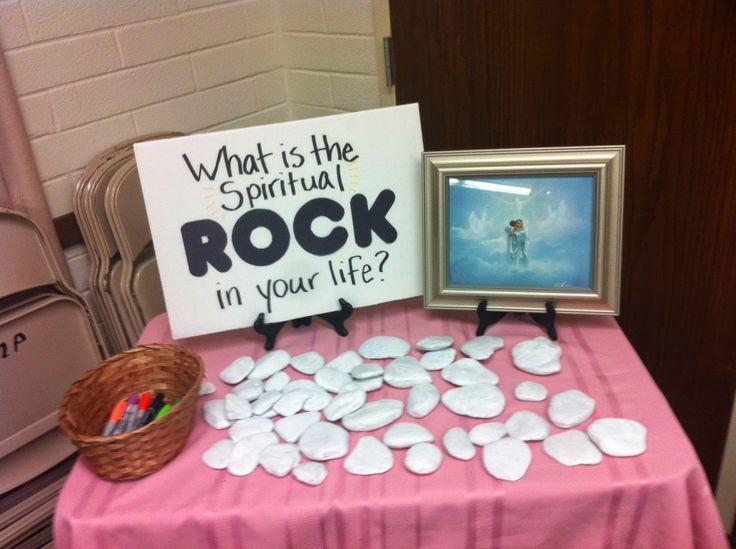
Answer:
x=91 y=73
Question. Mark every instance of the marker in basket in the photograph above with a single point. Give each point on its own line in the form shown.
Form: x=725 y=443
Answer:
x=124 y=425
x=163 y=411
x=115 y=416
x=153 y=408
x=142 y=407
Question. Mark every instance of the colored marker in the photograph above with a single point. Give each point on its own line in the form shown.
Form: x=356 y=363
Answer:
x=163 y=411
x=142 y=407
x=125 y=424
x=156 y=404
x=115 y=415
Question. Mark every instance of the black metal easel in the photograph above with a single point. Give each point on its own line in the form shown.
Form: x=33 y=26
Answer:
x=488 y=318
x=335 y=318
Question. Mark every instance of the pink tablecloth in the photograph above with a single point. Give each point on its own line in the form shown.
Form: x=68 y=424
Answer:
x=660 y=499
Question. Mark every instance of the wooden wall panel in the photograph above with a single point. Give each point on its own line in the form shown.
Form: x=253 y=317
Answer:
x=656 y=75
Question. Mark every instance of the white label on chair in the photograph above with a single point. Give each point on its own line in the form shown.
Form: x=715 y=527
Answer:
x=285 y=219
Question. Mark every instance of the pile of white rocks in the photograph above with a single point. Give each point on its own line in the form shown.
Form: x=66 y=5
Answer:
x=316 y=414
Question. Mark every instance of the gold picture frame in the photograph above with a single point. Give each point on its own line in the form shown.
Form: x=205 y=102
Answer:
x=572 y=195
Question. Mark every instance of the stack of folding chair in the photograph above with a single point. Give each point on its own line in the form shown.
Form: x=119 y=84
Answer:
x=124 y=280
x=48 y=338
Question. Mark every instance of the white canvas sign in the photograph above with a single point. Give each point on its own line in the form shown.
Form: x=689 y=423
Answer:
x=285 y=219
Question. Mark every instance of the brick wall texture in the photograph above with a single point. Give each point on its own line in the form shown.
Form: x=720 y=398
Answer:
x=91 y=73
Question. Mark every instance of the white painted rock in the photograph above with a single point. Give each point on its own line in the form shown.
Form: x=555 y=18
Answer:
x=570 y=408
x=237 y=407
x=345 y=362
x=301 y=384
x=244 y=458
x=507 y=458
x=530 y=391
x=468 y=371
x=247 y=427
x=374 y=415
x=422 y=399
x=323 y=440
x=214 y=414
x=405 y=434
x=482 y=400
x=404 y=372
x=481 y=347
x=619 y=437
x=266 y=414
x=423 y=458
x=434 y=343
x=526 y=425
x=571 y=448
x=237 y=370
x=312 y=473
x=366 y=370
x=270 y=363
x=369 y=457
x=250 y=389
x=537 y=356
x=331 y=380
x=318 y=401
x=368 y=385
x=291 y=402
x=291 y=428
x=206 y=387
x=307 y=363
x=384 y=347
x=279 y=459
x=485 y=433
x=436 y=360
x=277 y=381
x=344 y=404
x=218 y=455
x=458 y=445
x=264 y=402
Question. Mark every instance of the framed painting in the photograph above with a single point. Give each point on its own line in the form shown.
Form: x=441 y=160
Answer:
x=524 y=227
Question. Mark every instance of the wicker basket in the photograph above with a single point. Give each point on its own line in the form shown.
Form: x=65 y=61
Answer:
x=172 y=370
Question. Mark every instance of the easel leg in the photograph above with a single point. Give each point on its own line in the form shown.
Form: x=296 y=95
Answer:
x=486 y=318
x=270 y=331
x=547 y=320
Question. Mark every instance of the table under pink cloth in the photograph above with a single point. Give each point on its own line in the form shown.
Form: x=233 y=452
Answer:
x=660 y=499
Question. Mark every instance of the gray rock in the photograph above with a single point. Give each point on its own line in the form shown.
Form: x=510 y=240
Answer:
x=507 y=458
x=206 y=387
x=291 y=428
x=237 y=370
x=246 y=452
x=436 y=360
x=468 y=371
x=366 y=370
x=279 y=459
x=481 y=347
x=218 y=455
x=530 y=391
x=485 y=433
x=526 y=425
x=269 y=364
x=422 y=399
x=252 y=426
x=331 y=380
x=264 y=402
x=214 y=414
x=537 y=356
x=322 y=441
x=312 y=473
x=458 y=445
x=404 y=372
x=345 y=362
x=344 y=404
x=571 y=448
x=405 y=434
x=374 y=415
x=482 y=400
x=369 y=457
x=307 y=363
x=378 y=347
x=570 y=408
x=619 y=437
x=318 y=401
x=250 y=389
x=434 y=343
x=237 y=407
x=277 y=381
x=423 y=458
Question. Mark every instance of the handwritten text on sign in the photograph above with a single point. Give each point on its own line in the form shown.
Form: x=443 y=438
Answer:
x=285 y=219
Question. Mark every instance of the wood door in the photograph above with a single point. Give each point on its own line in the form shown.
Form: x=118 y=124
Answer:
x=656 y=75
